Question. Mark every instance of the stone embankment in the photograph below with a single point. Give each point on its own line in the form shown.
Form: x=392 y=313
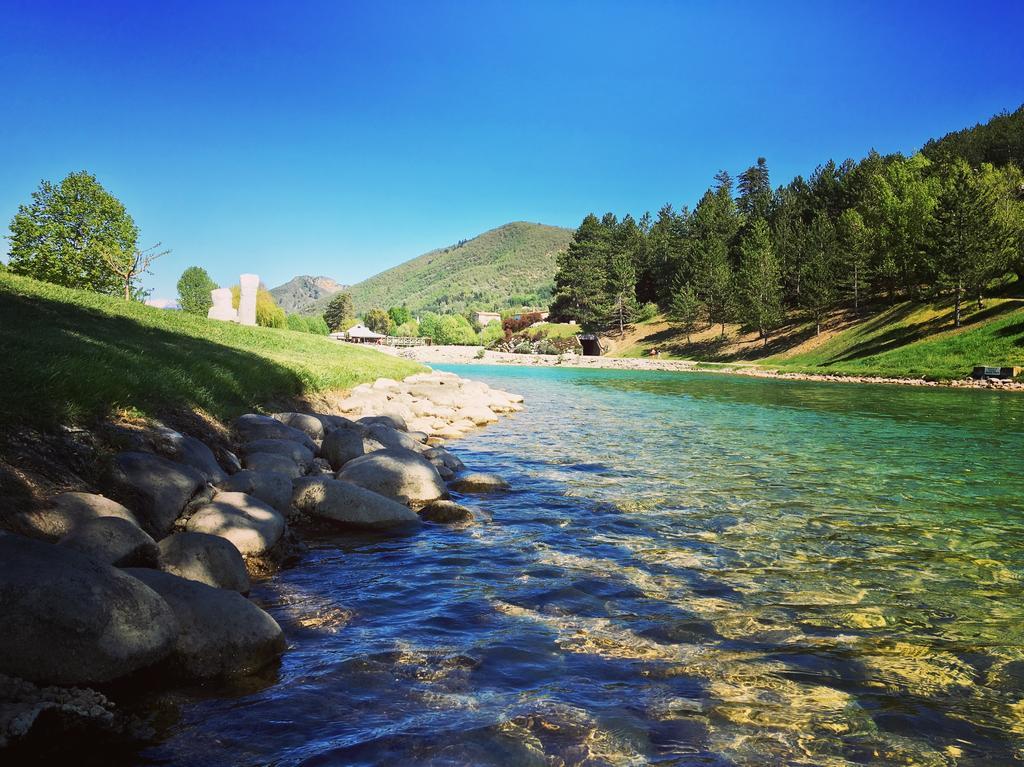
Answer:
x=152 y=576
x=471 y=355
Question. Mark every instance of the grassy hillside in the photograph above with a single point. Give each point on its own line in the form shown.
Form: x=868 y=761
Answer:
x=300 y=295
x=512 y=265
x=904 y=340
x=71 y=355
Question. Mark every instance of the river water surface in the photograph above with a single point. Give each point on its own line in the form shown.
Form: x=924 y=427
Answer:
x=689 y=570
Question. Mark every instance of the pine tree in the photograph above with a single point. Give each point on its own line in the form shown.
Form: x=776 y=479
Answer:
x=818 y=282
x=686 y=310
x=581 y=277
x=339 y=314
x=855 y=244
x=759 y=288
x=755 y=191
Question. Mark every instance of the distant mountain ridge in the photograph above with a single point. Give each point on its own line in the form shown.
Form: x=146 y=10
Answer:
x=303 y=294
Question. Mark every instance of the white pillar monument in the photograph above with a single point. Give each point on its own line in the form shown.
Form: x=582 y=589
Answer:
x=247 y=303
x=222 y=308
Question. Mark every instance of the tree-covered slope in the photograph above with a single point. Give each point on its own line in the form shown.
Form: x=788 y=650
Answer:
x=510 y=266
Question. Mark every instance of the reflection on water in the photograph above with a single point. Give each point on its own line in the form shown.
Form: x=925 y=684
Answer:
x=690 y=570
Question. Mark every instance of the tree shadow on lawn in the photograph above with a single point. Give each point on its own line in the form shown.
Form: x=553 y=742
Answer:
x=63 y=362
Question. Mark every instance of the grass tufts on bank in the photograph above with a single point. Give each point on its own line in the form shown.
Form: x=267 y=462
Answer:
x=67 y=356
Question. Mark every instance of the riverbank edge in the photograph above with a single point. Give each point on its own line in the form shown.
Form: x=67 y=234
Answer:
x=470 y=355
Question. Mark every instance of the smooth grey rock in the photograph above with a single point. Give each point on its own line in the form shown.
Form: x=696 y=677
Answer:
x=420 y=436
x=222 y=634
x=332 y=422
x=349 y=504
x=112 y=541
x=478 y=482
x=190 y=451
x=342 y=445
x=208 y=559
x=155 y=489
x=270 y=487
x=278 y=464
x=401 y=475
x=250 y=427
x=250 y=524
x=67 y=510
x=392 y=438
x=392 y=419
x=233 y=464
x=444 y=471
x=441 y=457
x=301 y=454
x=446 y=513
x=310 y=424
x=71 y=620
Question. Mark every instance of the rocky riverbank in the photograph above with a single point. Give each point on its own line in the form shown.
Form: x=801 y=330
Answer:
x=146 y=575
x=471 y=355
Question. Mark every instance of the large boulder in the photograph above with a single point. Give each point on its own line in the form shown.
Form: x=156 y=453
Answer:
x=71 y=620
x=348 y=504
x=250 y=524
x=67 y=510
x=270 y=487
x=208 y=559
x=441 y=457
x=392 y=438
x=331 y=422
x=222 y=633
x=190 y=451
x=300 y=454
x=310 y=424
x=446 y=513
x=342 y=445
x=478 y=482
x=402 y=475
x=112 y=541
x=250 y=427
x=393 y=418
x=272 y=462
x=156 y=489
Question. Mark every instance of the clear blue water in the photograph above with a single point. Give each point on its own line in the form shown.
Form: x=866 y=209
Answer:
x=690 y=570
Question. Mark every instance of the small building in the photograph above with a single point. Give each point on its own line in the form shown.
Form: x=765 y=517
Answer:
x=360 y=334
x=591 y=344
x=483 y=319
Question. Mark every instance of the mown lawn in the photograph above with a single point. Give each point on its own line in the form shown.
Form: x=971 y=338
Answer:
x=71 y=355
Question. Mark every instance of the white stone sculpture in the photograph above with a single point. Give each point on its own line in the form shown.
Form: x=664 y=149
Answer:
x=222 y=308
x=247 y=303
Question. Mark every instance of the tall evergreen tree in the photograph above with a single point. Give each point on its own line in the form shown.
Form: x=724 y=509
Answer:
x=686 y=310
x=759 y=289
x=819 y=283
x=855 y=245
x=755 y=192
x=581 y=276
x=339 y=314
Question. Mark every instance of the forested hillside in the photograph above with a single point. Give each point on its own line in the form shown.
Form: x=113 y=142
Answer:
x=946 y=222
x=300 y=295
x=511 y=266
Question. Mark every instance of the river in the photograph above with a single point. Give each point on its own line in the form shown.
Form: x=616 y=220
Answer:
x=690 y=569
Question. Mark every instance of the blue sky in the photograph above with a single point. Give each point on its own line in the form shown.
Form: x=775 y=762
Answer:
x=340 y=139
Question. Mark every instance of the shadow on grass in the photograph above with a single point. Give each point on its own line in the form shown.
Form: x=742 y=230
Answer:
x=63 y=362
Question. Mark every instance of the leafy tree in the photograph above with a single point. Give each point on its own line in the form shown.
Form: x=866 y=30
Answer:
x=409 y=329
x=759 y=281
x=399 y=315
x=71 y=233
x=194 y=288
x=686 y=311
x=454 y=329
x=316 y=325
x=378 y=321
x=128 y=270
x=339 y=314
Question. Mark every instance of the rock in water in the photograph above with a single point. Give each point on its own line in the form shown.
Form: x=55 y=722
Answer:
x=250 y=524
x=478 y=482
x=157 y=490
x=341 y=446
x=112 y=541
x=349 y=504
x=403 y=475
x=208 y=559
x=447 y=513
x=70 y=509
x=248 y=428
x=222 y=634
x=303 y=422
x=71 y=620
x=270 y=487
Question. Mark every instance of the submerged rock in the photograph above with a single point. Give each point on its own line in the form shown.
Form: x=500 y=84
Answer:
x=156 y=489
x=478 y=482
x=447 y=513
x=112 y=541
x=349 y=504
x=208 y=559
x=68 y=510
x=402 y=475
x=222 y=634
x=250 y=524
x=270 y=487
x=71 y=620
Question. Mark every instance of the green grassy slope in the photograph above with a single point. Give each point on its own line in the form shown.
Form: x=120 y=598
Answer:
x=508 y=266
x=70 y=355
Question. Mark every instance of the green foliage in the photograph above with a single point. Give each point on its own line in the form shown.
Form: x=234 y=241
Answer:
x=687 y=311
x=454 y=329
x=297 y=322
x=759 y=281
x=399 y=315
x=646 y=312
x=316 y=325
x=491 y=333
x=580 y=283
x=194 y=288
x=378 y=321
x=338 y=314
x=71 y=356
x=268 y=313
x=71 y=233
x=428 y=324
x=409 y=329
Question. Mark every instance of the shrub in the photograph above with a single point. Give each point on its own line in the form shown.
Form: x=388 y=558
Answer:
x=647 y=312
x=316 y=325
x=295 y=322
x=408 y=329
x=454 y=329
x=523 y=347
x=492 y=333
x=513 y=325
x=268 y=313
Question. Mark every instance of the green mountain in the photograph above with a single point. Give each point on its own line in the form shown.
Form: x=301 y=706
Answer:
x=511 y=266
x=300 y=294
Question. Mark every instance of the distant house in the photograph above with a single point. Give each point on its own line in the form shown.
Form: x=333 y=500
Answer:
x=483 y=319
x=361 y=334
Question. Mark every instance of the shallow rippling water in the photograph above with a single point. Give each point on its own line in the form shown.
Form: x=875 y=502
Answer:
x=690 y=570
